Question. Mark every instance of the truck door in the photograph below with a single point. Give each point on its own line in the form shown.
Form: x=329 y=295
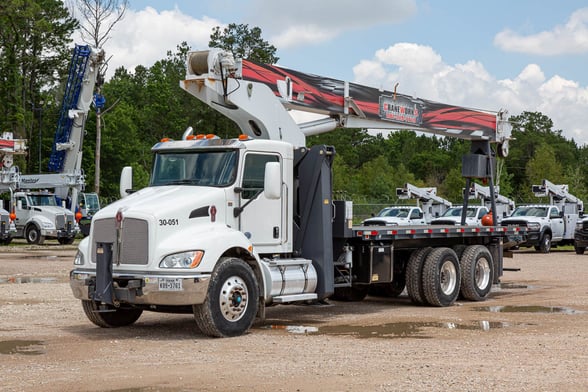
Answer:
x=22 y=211
x=261 y=220
x=557 y=224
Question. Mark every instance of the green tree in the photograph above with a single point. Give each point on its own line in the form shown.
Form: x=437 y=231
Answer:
x=543 y=165
x=34 y=54
x=244 y=42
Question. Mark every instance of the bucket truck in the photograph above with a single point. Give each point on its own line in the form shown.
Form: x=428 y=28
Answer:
x=41 y=214
x=548 y=224
x=228 y=227
x=504 y=205
x=429 y=205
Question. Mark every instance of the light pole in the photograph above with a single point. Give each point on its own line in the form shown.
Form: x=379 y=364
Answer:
x=39 y=109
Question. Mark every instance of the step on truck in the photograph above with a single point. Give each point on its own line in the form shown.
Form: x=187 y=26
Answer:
x=228 y=227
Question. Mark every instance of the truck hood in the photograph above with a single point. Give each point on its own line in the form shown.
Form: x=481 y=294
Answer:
x=387 y=220
x=51 y=210
x=167 y=202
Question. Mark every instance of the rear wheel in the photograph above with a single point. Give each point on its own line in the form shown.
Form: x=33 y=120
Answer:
x=441 y=277
x=65 y=241
x=477 y=273
x=231 y=302
x=414 y=275
x=110 y=317
x=580 y=249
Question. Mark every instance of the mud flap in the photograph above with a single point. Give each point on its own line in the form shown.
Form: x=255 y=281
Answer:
x=104 y=291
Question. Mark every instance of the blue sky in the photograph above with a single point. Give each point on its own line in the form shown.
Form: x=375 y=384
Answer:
x=519 y=55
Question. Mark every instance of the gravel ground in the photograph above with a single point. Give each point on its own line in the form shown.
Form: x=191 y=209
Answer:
x=530 y=335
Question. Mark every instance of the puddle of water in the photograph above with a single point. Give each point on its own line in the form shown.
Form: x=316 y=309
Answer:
x=45 y=257
x=391 y=330
x=512 y=286
x=23 y=347
x=28 y=279
x=529 y=309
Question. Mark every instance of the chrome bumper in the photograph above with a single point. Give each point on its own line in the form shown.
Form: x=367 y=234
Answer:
x=146 y=288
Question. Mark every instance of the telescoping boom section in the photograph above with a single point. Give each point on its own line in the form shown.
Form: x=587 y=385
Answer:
x=235 y=87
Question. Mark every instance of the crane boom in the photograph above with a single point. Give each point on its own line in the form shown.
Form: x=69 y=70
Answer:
x=250 y=94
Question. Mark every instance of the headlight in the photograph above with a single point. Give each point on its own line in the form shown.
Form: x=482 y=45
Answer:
x=189 y=259
x=79 y=259
x=534 y=226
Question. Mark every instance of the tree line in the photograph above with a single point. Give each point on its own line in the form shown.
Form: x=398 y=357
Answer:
x=35 y=49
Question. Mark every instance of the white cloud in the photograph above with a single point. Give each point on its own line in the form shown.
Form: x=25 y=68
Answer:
x=144 y=37
x=569 y=38
x=311 y=22
x=421 y=72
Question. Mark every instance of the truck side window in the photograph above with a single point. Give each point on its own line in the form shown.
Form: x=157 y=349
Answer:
x=554 y=213
x=23 y=201
x=254 y=172
x=414 y=214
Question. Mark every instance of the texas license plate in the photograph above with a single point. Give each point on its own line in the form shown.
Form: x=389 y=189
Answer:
x=170 y=284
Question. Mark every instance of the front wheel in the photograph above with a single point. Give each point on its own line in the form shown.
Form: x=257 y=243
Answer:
x=545 y=245
x=231 y=302
x=33 y=235
x=110 y=317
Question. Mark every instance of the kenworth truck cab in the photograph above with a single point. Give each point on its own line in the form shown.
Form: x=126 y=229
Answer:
x=228 y=227
x=39 y=217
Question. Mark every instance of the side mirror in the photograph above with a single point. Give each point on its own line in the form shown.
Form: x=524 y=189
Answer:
x=272 y=181
x=126 y=181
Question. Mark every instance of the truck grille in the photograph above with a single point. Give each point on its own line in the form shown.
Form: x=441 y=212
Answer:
x=60 y=222
x=135 y=242
x=520 y=223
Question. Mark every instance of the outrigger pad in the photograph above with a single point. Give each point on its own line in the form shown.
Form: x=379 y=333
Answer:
x=104 y=291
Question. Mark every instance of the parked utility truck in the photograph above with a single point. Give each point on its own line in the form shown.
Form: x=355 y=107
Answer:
x=504 y=205
x=548 y=224
x=228 y=227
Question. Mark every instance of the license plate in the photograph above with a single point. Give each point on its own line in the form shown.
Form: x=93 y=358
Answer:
x=170 y=284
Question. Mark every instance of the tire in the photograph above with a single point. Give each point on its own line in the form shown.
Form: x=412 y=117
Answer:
x=414 y=275
x=65 y=241
x=477 y=273
x=545 y=245
x=231 y=303
x=441 y=277
x=33 y=235
x=116 y=317
x=6 y=241
x=579 y=250
x=350 y=294
x=389 y=290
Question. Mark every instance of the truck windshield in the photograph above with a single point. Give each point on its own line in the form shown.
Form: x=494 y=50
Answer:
x=530 y=211
x=43 y=200
x=456 y=211
x=206 y=168
x=395 y=212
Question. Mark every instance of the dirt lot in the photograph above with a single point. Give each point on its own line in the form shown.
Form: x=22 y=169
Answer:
x=530 y=335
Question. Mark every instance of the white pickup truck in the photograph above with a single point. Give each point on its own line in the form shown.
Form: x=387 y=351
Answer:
x=397 y=216
x=452 y=216
x=546 y=225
